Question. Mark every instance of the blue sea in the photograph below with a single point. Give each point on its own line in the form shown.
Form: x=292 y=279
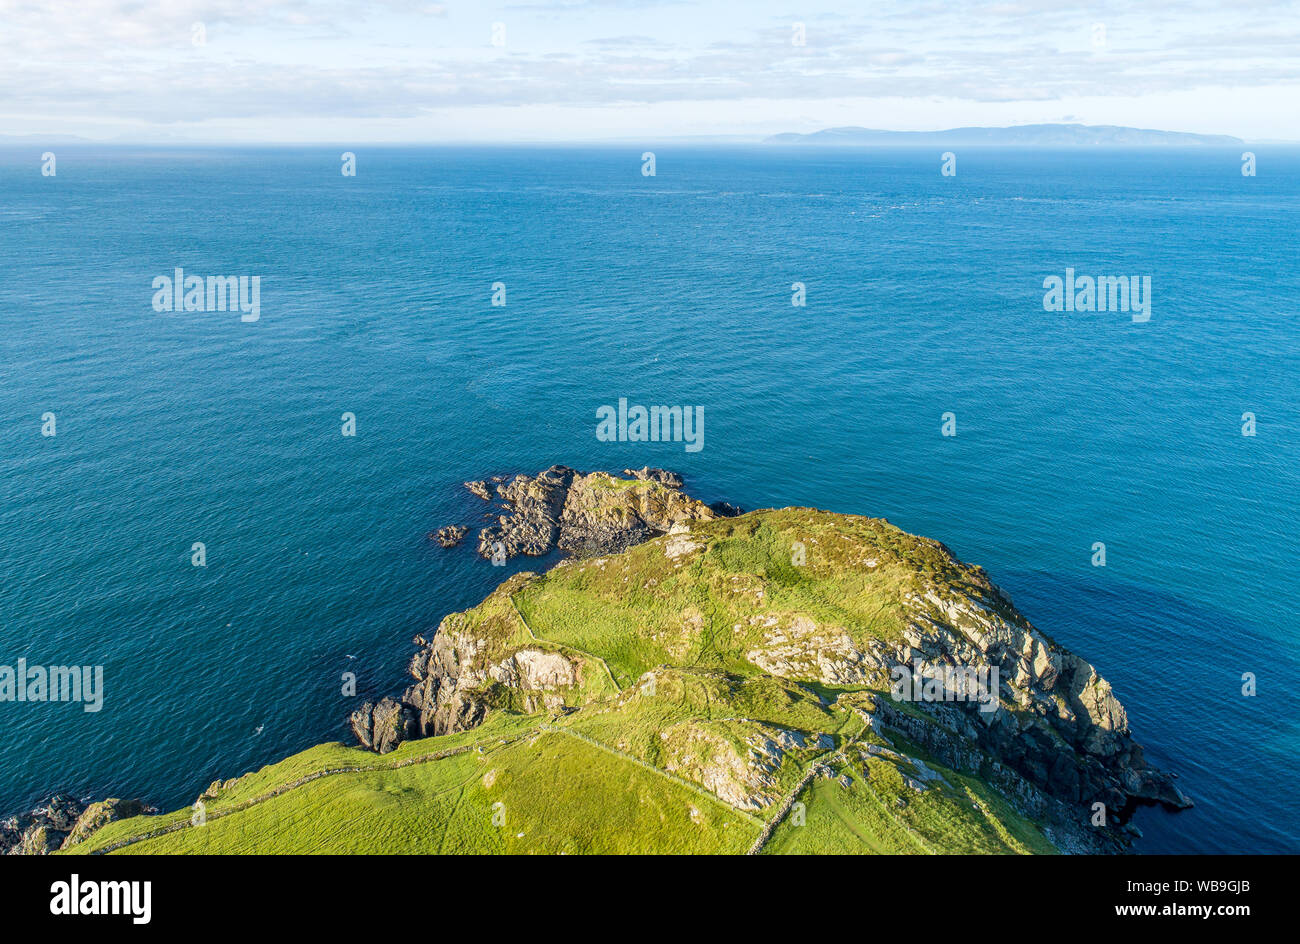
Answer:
x=924 y=297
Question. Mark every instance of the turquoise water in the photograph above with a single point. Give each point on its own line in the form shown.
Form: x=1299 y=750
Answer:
x=924 y=296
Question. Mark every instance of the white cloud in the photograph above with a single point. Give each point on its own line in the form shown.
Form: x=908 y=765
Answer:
x=131 y=64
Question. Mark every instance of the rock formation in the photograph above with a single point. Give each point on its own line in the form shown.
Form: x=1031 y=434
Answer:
x=62 y=822
x=482 y=489
x=1065 y=731
x=449 y=536
x=381 y=727
x=584 y=515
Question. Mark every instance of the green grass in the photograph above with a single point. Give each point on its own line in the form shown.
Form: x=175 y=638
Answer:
x=963 y=817
x=612 y=483
x=710 y=608
x=547 y=794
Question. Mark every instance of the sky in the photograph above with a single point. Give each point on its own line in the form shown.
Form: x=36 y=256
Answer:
x=349 y=71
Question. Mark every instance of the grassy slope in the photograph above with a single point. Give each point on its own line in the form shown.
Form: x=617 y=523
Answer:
x=637 y=769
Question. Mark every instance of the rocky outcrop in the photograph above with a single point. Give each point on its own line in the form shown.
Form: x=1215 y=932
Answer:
x=1052 y=718
x=584 y=515
x=447 y=673
x=98 y=815
x=1050 y=729
x=531 y=670
x=452 y=672
x=740 y=760
x=449 y=536
x=382 y=726
x=482 y=489
x=662 y=476
x=1056 y=722
x=41 y=830
x=62 y=822
x=800 y=648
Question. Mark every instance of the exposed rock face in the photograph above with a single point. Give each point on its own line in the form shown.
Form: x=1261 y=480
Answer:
x=457 y=670
x=62 y=822
x=1056 y=722
x=1056 y=699
x=452 y=671
x=585 y=514
x=381 y=727
x=719 y=766
x=215 y=788
x=739 y=760
x=531 y=670
x=447 y=671
x=482 y=489
x=800 y=648
x=450 y=536
x=97 y=815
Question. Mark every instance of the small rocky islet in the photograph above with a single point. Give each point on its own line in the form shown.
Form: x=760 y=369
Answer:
x=561 y=508
x=750 y=661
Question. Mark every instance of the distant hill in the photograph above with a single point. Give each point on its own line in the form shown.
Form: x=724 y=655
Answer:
x=42 y=139
x=1020 y=135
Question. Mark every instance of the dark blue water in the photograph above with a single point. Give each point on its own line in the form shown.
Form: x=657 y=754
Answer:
x=924 y=296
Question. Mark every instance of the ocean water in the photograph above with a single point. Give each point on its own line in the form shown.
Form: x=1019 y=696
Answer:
x=924 y=296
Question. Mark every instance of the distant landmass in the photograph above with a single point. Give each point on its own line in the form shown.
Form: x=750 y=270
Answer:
x=1019 y=135
x=43 y=139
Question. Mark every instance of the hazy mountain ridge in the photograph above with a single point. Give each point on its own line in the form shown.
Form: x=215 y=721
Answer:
x=1041 y=135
